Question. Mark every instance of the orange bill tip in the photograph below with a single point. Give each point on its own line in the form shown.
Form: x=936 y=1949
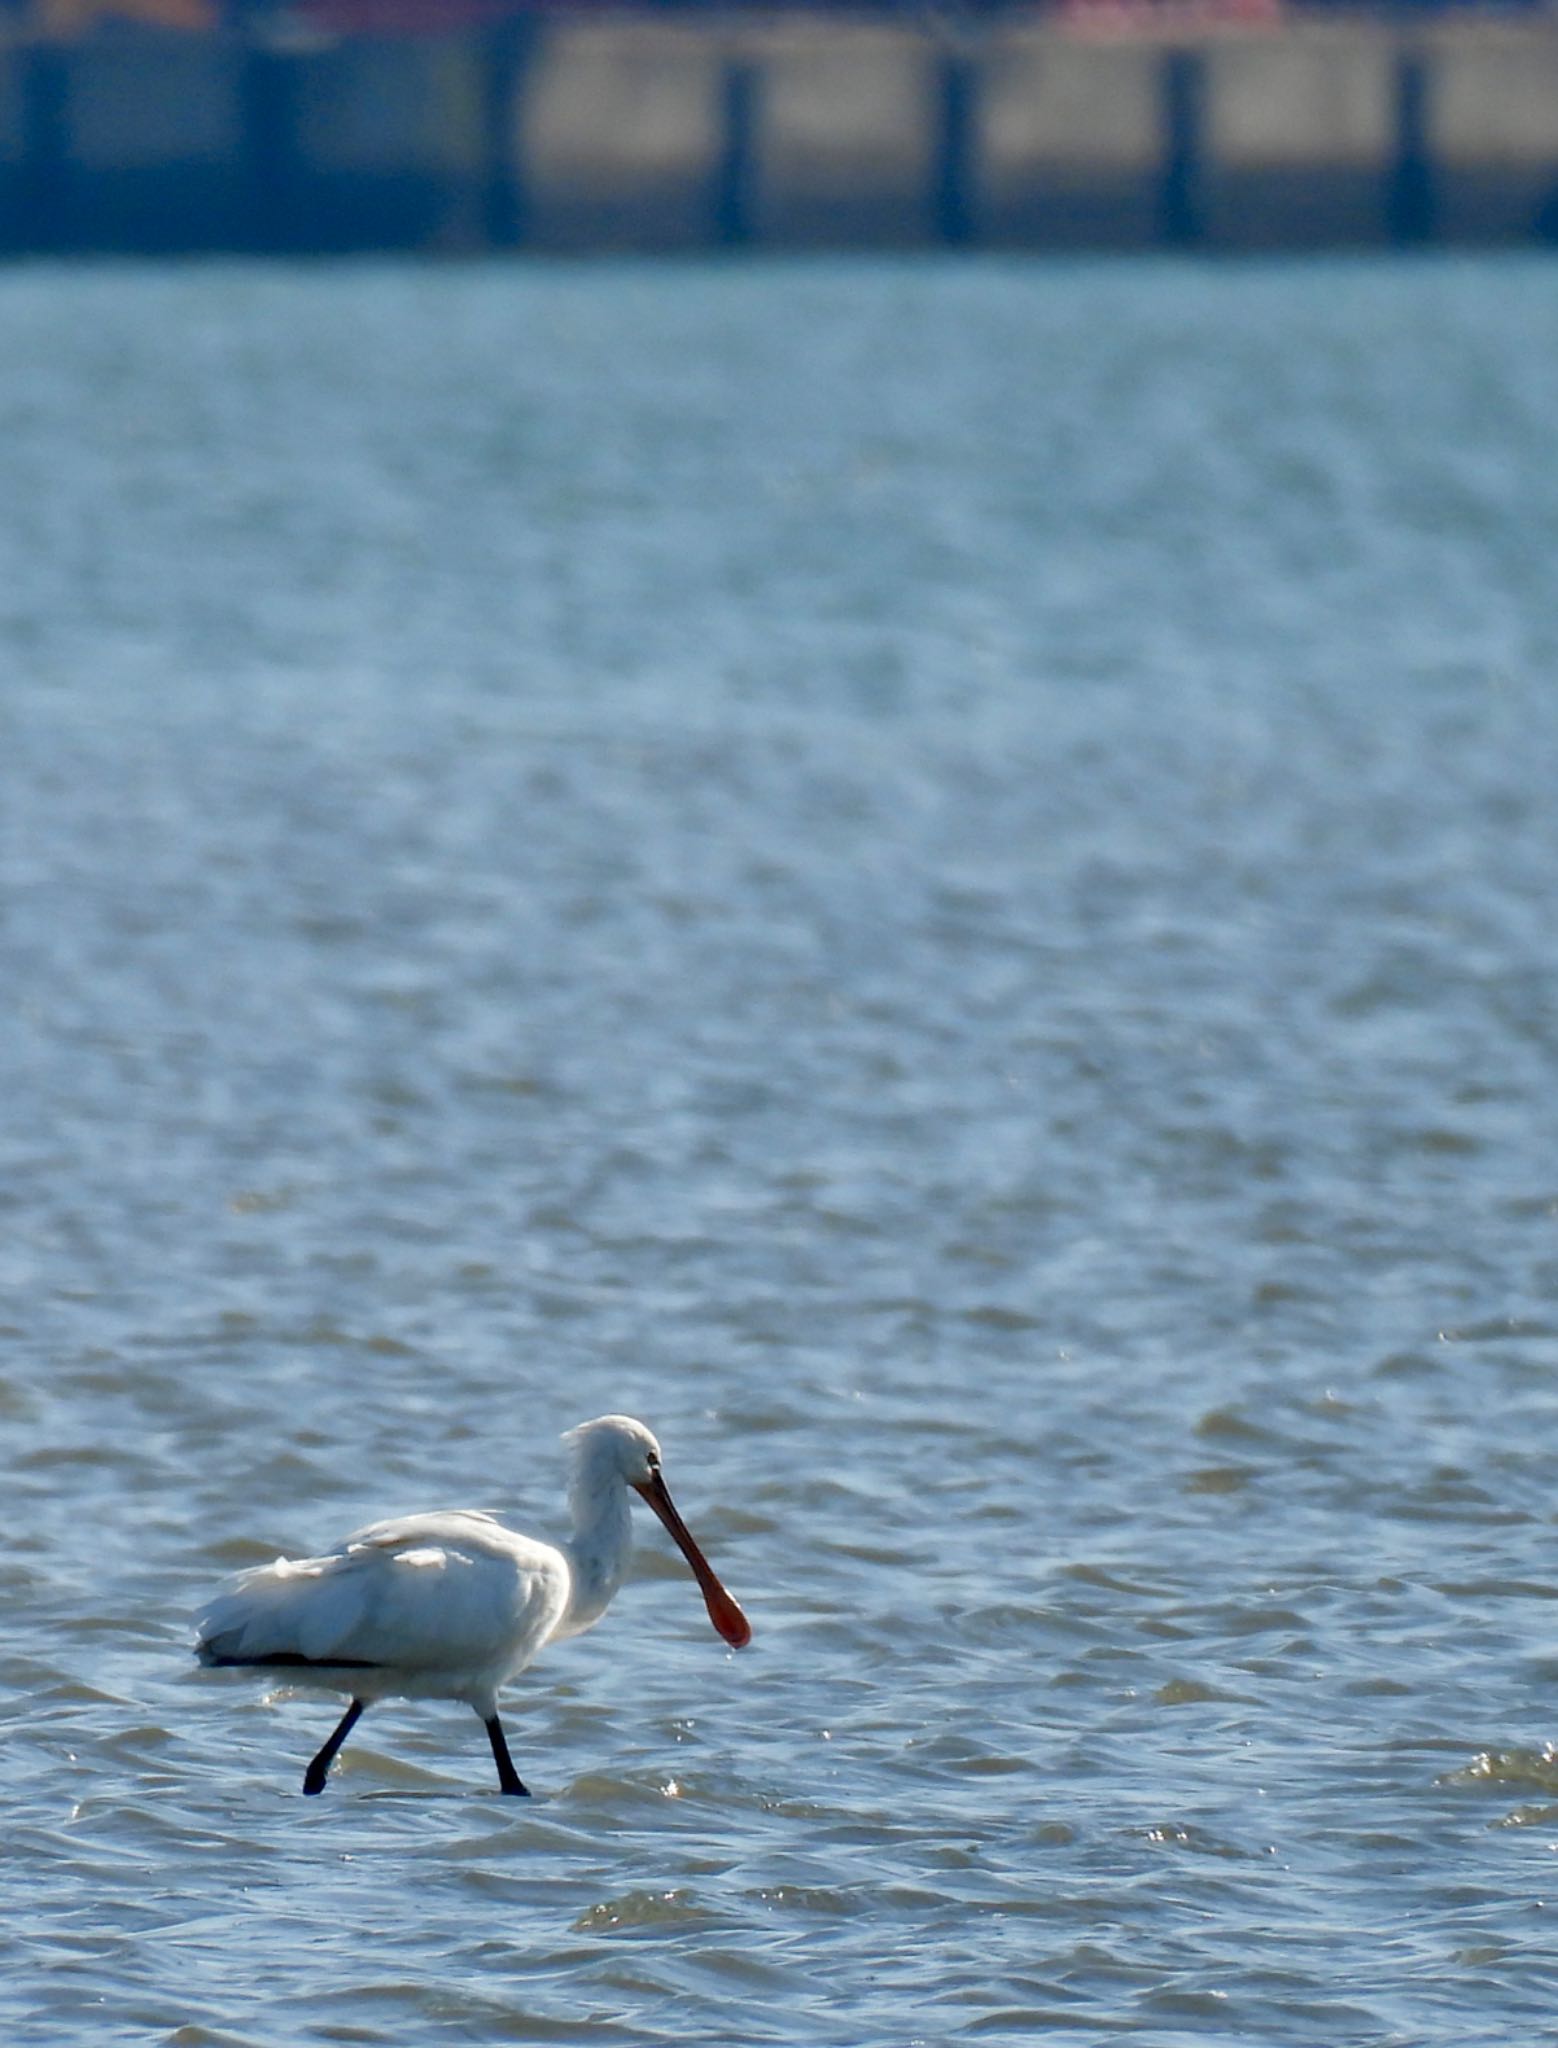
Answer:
x=727 y=1617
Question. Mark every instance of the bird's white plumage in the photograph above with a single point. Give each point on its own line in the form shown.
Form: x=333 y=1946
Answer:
x=453 y=1604
x=450 y=1604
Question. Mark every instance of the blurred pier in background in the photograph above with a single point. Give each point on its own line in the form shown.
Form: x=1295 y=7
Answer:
x=1098 y=126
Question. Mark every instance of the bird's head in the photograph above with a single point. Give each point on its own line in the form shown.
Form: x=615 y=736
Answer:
x=613 y=1447
x=616 y=1449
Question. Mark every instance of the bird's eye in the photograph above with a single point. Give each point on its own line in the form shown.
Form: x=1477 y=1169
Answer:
x=653 y=1461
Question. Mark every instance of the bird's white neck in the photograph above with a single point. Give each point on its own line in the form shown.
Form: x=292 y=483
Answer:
x=600 y=1546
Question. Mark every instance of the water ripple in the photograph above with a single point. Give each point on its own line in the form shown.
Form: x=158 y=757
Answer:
x=939 y=880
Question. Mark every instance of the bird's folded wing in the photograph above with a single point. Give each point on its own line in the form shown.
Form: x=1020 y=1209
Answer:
x=396 y=1597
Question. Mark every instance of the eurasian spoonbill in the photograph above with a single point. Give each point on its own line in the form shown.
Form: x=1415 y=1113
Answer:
x=451 y=1605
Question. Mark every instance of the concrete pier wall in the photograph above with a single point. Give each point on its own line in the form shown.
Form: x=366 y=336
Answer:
x=1301 y=138
x=1071 y=142
x=617 y=132
x=844 y=136
x=666 y=132
x=1495 y=132
x=387 y=143
x=152 y=141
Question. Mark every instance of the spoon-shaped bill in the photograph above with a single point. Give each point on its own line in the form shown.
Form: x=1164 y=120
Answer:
x=723 y=1611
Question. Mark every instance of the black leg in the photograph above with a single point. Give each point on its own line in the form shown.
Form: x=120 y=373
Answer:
x=314 y=1777
x=509 y=1779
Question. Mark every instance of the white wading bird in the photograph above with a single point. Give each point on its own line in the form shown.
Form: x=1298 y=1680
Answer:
x=450 y=1606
